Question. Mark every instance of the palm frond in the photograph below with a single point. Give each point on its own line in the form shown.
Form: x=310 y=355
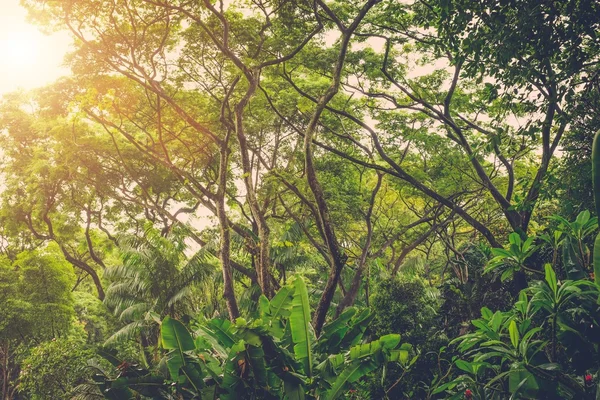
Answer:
x=127 y=332
x=135 y=311
x=86 y=391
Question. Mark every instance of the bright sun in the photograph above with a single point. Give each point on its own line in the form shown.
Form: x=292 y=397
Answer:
x=28 y=57
x=20 y=50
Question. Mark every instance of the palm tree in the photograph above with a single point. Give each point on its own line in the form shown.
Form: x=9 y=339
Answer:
x=156 y=279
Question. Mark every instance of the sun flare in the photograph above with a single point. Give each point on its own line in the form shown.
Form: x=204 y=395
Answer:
x=20 y=50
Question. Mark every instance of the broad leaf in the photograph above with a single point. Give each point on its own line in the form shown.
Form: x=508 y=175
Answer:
x=300 y=326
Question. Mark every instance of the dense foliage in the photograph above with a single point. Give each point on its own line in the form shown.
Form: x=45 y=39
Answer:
x=298 y=199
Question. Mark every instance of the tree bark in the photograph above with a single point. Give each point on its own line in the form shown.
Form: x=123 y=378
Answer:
x=225 y=237
x=350 y=296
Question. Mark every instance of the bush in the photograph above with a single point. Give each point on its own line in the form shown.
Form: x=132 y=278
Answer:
x=54 y=368
x=463 y=296
x=410 y=309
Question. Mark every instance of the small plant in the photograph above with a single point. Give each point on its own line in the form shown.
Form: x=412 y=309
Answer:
x=512 y=259
x=576 y=255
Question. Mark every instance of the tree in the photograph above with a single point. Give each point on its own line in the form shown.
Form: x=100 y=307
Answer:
x=36 y=305
x=54 y=368
x=155 y=280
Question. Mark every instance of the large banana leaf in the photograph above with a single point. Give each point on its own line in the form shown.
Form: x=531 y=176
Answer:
x=118 y=392
x=334 y=332
x=277 y=309
x=221 y=328
x=293 y=391
x=191 y=374
x=358 y=326
x=256 y=356
x=300 y=326
x=175 y=337
x=400 y=355
x=385 y=343
x=364 y=358
x=233 y=371
x=353 y=372
x=281 y=302
x=207 y=342
x=124 y=388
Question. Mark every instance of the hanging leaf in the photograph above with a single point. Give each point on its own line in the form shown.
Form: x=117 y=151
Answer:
x=300 y=326
x=352 y=373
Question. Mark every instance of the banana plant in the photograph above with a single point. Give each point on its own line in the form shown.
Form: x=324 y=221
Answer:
x=130 y=381
x=276 y=355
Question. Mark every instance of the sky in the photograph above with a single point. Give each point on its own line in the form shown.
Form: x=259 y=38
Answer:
x=28 y=57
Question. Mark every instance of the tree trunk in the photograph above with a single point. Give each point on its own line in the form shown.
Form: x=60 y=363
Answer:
x=352 y=293
x=225 y=235
x=264 y=256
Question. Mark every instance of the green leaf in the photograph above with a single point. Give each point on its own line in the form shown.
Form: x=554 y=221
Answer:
x=334 y=332
x=498 y=252
x=263 y=305
x=400 y=355
x=300 y=326
x=486 y=313
x=358 y=325
x=353 y=372
x=507 y=274
x=522 y=381
x=175 y=337
x=551 y=278
x=464 y=365
x=293 y=390
x=514 y=333
x=280 y=303
x=221 y=328
x=515 y=238
x=387 y=343
x=449 y=385
x=496 y=321
x=527 y=243
x=231 y=376
x=258 y=364
x=193 y=375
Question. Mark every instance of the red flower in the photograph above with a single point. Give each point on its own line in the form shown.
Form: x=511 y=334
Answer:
x=468 y=394
x=588 y=379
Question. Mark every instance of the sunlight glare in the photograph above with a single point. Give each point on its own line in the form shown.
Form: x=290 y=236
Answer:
x=20 y=50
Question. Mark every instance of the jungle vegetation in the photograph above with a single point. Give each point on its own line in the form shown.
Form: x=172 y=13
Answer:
x=305 y=199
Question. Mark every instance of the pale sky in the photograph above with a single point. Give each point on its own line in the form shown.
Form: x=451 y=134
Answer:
x=28 y=57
